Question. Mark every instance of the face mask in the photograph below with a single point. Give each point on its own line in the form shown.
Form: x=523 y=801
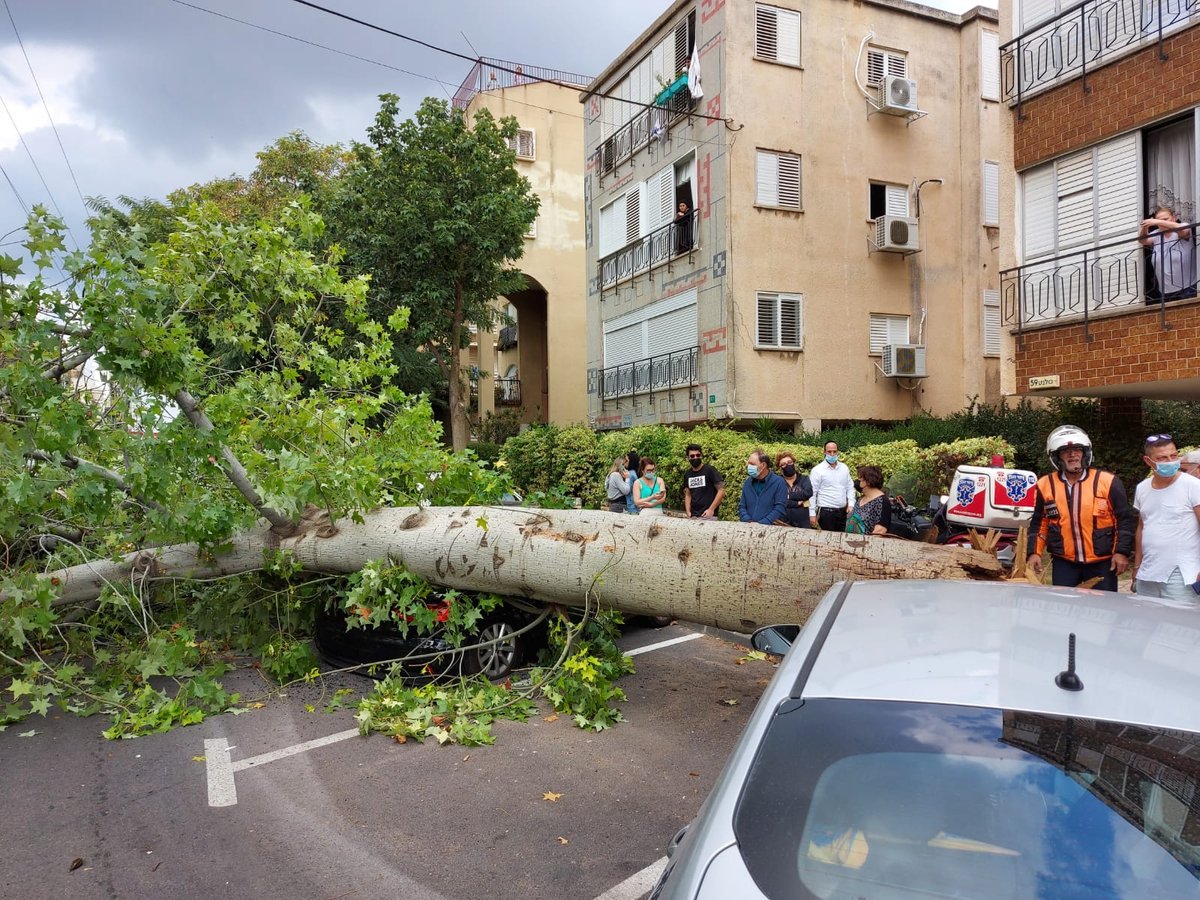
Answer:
x=752 y=471
x=1167 y=469
x=858 y=486
x=789 y=470
x=697 y=462
x=831 y=458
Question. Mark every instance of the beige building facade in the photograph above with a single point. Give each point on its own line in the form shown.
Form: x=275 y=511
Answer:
x=838 y=255
x=534 y=361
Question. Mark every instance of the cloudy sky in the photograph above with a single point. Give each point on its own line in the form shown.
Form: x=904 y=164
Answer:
x=150 y=95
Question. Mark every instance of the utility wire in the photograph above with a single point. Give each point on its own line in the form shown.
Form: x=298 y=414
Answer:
x=45 y=106
x=37 y=169
x=16 y=193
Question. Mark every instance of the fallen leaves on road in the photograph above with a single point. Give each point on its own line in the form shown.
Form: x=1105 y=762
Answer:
x=751 y=656
x=400 y=738
x=694 y=774
x=199 y=759
x=563 y=840
x=551 y=796
x=732 y=701
x=30 y=733
x=75 y=863
x=553 y=717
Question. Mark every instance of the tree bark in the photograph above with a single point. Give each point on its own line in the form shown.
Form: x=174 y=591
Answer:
x=734 y=576
x=459 y=424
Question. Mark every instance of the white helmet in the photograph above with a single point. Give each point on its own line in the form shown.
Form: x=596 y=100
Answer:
x=1068 y=436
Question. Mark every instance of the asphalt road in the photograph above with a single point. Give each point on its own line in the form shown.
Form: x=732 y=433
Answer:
x=366 y=817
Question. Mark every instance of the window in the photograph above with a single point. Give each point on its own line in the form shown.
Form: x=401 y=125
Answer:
x=532 y=232
x=991 y=323
x=887 y=329
x=991 y=193
x=989 y=65
x=780 y=321
x=777 y=177
x=667 y=326
x=882 y=62
x=522 y=143
x=777 y=35
x=887 y=200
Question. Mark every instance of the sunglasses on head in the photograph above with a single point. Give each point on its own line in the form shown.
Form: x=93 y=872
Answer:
x=1159 y=439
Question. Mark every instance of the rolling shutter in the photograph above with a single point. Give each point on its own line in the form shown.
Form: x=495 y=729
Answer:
x=991 y=193
x=991 y=323
x=664 y=327
x=1035 y=11
x=989 y=65
x=623 y=345
x=672 y=331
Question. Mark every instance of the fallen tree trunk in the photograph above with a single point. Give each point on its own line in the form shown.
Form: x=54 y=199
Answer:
x=734 y=576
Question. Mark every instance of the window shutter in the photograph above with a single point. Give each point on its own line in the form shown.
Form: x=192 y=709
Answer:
x=766 y=33
x=663 y=194
x=897 y=64
x=623 y=345
x=1117 y=169
x=991 y=323
x=633 y=214
x=1035 y=11
x=1074 y=176
x=681 y=46
x=991 y=193
x=887 y=329
x=522 y=143
x=876 y=66
x=766 y=173
x=787 y=24
x=672 y=331
x=789 y=180
x=896 y=200
x=989 y=65
x=610 y=240
x=791 y=324
x=1037 y=211
x=767 y=308
x=885 y=62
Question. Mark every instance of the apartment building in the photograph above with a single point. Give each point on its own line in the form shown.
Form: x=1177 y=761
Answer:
x=1100 y=134
x=533 y=362
x=812 y=235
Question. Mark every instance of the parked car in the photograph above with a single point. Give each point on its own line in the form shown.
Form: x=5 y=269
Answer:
x=501 y=644
x=956 y=739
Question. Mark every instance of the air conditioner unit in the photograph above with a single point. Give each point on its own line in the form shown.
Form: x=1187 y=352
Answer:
x=897 y=96
x=903 y=360
x=896 y=234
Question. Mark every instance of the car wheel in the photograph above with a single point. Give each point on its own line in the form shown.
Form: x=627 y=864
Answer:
x=496 y=660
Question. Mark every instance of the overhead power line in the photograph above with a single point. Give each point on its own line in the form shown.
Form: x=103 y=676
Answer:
x=16 y=193
x=45 y=106
x=37 y=168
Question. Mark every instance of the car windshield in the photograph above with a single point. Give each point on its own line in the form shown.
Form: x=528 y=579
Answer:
x=864 y=799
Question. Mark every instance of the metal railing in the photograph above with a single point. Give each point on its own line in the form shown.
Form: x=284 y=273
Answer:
x=507 y=337
x=508 y=392
x=645 y=376
x=490 y=74
x=1085 y=36
x=1108 y=277
x=655 y=249
x=650 y=123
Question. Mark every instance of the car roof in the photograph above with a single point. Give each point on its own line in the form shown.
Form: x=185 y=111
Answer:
x=1000 y=645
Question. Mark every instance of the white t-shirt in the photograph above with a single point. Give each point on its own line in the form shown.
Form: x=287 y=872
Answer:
x=1170 y=532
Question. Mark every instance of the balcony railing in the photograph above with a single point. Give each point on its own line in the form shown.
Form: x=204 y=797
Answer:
x=496 y=74
x=650 y=124
x=1106 y=278
x=655 y=249
x=508 y=392
x=1085 y=36
x=645 y=376
x=507 y=338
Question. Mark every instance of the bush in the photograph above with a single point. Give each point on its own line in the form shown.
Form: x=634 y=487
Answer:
x=496 y=428
x=529 y=458
x=486 y=452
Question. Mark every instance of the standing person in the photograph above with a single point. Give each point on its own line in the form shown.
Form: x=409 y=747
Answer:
x=1081 y=515
x=764 y=494
x=1172 y=253
x=1166 y=561
x=873 y=509
x=616 y=486
x=683 y=228
x=631 y=478
x=799 y=492
x=703 y=486
x=1190 y=463
x=833 y=490
x=650 y=490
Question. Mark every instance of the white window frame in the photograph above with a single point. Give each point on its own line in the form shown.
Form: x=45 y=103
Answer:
x=514 y=143
x=889 y=324
x=788 y=24
x=990 y=211
x=989 y=64
x=769 y=166
x=991 y=323
x=778 y=301
x=883 y=61
x=895 y=200
x=532 y=232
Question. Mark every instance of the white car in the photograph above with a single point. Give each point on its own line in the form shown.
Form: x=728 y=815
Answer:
x=932 y=739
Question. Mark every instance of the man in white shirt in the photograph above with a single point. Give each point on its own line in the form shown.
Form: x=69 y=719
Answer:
x=833 y=490
x=1167 y=556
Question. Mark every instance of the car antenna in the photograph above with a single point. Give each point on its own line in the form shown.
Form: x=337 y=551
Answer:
x=1067 y=679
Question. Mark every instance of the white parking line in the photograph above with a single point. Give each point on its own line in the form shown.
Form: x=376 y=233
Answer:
x=636 y=884
x=223 y=792
x=661 y=644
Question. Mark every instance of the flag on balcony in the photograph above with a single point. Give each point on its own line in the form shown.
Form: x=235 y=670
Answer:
x=693 y=74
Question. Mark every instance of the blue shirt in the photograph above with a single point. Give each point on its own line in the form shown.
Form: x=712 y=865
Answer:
x=763 y=501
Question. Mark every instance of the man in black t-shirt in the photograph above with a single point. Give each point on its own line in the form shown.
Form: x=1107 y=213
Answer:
x=703 y=486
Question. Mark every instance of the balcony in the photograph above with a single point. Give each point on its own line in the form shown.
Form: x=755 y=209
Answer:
x=655 y=249
x=508 y=392
x=646 y=376
x=1084 y=37
x=497 y=74
x=1095 y=282
x=507 y=338
x=650 y=124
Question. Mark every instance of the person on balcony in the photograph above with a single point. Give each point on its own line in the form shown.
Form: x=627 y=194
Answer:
x=684 y=238
x=1173 y=254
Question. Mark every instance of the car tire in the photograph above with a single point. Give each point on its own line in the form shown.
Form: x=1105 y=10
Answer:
x=495 y=661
